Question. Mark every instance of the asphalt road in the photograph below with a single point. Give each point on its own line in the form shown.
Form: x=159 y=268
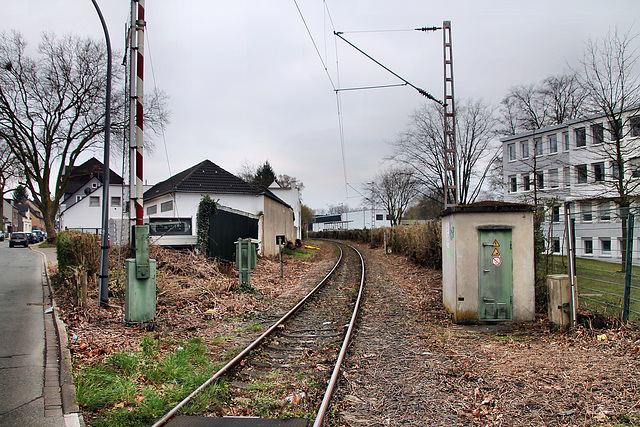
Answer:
x=22 y=343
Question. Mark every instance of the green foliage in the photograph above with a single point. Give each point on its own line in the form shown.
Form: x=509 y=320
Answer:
x=264 y=175
x=76 y=249
x=422 y=243
x=206 y=208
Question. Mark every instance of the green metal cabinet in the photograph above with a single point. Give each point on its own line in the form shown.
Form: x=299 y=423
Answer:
x=495 y=281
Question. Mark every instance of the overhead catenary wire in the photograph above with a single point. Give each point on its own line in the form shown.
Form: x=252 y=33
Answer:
x=420 y=91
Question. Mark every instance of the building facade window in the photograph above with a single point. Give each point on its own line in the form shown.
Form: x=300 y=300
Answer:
x=513 y=184
x=634 y=122
x=597 y=133
x=540 y=180
x=581 y=137
x=581 y=174
x=556 y=245
x=555 y=214
x=634 y=166
x=94 y=201
x=567 y=176
x=615 y=170
x=598 y=172
x=586 y=211
x=588 y=245
x=604 y=212
x=537 y=146
x=166 y=206
x=553 y=178
x=524 y=149
x=526 y=182
x=379 y=217
x=512 y=151
x=565 y=138
x=553 y=144
x=152 y=209
x=605 y=246
x=115 y=201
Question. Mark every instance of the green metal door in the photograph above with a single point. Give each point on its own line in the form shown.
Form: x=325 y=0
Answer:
x=495 y=284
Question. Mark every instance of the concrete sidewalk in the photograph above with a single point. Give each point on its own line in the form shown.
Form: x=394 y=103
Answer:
x=60 y=393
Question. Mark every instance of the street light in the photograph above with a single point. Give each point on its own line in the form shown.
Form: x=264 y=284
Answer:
x=104 y=246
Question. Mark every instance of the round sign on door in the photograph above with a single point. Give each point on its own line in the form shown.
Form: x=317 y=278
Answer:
x=496 y=261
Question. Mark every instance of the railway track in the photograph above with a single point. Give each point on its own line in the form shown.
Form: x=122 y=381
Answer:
x=291 y=369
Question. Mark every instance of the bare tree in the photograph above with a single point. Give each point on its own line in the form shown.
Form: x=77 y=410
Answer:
x=553 y=101
x=394 y=189
x=52 y=110
x=420 y=147
x=610 y=77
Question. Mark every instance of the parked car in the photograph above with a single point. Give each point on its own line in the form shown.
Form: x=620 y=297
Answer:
x=39 y=234
x=33 y=237
x=19 y=239
x=1 y=236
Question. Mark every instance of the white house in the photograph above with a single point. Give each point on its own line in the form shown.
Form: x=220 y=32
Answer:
x=291 y=196
x=81 y=208
x=354 y=220
x=178 y=197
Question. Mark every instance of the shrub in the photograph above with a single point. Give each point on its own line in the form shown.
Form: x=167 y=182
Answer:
x=421 y=243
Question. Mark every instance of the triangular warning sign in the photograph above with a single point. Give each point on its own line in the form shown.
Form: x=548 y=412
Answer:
x=496 y=244
x=495 y=252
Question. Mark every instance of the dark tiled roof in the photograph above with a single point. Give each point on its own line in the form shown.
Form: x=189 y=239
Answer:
x=207 y=178
x=83 y=173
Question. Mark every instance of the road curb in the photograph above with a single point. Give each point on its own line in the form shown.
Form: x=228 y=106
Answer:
x=59 y=343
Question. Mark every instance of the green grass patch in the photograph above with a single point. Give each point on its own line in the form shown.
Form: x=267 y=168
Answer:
x=297 y=253
x=137 y=388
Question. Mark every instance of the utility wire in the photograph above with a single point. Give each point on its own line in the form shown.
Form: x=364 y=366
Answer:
x=420 y=91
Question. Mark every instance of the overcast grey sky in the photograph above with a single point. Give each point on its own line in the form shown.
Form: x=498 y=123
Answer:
x=245 y=83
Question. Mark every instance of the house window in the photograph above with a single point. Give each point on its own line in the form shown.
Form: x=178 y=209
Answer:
x=556 y=245
x=513 y=184
x=115 y=201
x=152 y=209
x=512 y=152
x=615 y=170
x=635 y=125
x=379 y=217
x=524 y=148
x=585 y=210
x=581 y=137
x=388 y=217
x=598 y=172
x=526 y=182
x=553 y=178
x=565 y=138
x=581 y=173
x=537 y=146
x=634 y=165
x=615 y=130
x=605 y=246
x=604 y=212
x=567 y=177
x=94 y=185
x=553 y=143
x=555 y=214
x=540 y=180
x=166 y=206
x=597 y=133
x=588 y=246
x=94 y=201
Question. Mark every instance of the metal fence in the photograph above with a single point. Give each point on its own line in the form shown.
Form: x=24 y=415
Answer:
x=600 y=248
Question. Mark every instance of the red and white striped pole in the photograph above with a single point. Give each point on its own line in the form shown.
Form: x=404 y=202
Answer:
x=140 y=24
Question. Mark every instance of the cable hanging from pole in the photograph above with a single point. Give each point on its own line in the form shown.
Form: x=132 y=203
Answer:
x=420 y=91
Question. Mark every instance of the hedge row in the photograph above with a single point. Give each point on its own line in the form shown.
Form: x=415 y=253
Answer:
x=419 y=242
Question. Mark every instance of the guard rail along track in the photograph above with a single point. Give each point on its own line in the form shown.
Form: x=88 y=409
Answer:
x=305 y=338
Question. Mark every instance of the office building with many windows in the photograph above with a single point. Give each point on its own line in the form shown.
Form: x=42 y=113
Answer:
x=578 y=162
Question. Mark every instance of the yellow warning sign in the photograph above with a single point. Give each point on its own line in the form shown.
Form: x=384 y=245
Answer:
x=495 y=243
x=495 y=252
